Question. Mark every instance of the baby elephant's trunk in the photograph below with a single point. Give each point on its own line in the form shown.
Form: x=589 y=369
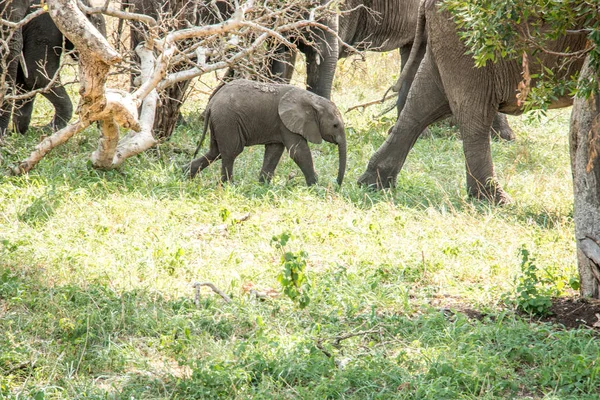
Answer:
x=342 y=154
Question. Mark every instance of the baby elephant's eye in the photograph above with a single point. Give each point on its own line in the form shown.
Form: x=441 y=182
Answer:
x=335 y=125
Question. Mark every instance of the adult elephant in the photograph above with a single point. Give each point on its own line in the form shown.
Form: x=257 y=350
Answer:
x=14 y=11
x=448 y=82
x=42 y=50
x=374 y=25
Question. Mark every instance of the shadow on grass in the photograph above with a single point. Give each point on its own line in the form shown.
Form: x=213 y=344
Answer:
x=100 y=342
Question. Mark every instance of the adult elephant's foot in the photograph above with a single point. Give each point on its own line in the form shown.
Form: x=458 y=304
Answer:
x=491 y=191
x=501 y=130
x=377 y=179
x=505 y=134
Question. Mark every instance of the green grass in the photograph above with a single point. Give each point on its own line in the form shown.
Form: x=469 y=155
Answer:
x=96 y=271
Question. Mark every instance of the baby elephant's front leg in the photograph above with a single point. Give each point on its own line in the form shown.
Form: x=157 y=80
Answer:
x=273 y=154
x=300 y=153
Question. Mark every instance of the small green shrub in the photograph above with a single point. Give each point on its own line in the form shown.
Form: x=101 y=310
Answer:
x=533 y=293
x=293 y=278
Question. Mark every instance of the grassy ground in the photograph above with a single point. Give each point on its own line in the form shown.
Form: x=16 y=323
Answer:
x=96 y=271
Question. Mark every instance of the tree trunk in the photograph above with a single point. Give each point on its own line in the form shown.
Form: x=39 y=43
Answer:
x=585 y=163
x=168 y=114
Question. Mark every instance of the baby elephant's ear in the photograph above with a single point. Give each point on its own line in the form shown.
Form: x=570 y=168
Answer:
x=298 y=114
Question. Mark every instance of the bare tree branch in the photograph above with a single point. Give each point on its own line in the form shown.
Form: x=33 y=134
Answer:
x=168 y=56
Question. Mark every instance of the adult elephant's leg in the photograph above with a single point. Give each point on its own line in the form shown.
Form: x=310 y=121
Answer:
x=22 y=115
x=410 y=76
x=426 y=103
x=481 y=179
x=282 y=67
x=501 y=129
x=63 y=108
x=4 y=118
x=273 y=154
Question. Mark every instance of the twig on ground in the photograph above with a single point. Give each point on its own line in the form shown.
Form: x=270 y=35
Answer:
x=243 y=218
x=319 y=345
x=577 y=309
x=17 y=367
x=215 y=289
x=336 y=341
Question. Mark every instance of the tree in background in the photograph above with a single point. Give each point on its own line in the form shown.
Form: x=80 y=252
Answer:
x=503 y=28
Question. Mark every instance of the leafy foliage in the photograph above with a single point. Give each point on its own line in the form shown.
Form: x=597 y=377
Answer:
x=293 y=277
x=534 y=294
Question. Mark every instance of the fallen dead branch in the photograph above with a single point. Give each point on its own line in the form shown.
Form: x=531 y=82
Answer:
x=198 y=285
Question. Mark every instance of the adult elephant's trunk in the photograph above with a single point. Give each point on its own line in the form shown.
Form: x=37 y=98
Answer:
x=342 y=155
x=322 y=59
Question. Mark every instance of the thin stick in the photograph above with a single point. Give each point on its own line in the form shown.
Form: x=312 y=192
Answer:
x=338 y=339
x=215 y=289
x=370 y=103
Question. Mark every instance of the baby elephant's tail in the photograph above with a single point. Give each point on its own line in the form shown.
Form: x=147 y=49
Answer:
x=206 y=119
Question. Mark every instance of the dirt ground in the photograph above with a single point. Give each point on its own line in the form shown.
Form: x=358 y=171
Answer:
x=571 y=312
x=575 y=312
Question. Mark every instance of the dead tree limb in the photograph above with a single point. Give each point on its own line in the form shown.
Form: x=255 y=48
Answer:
x=198 y=285
x=371 y=103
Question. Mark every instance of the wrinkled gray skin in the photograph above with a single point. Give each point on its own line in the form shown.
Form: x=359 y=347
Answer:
x=42 y=50
x=15 y=11
x=386 y=25
x=447 y=82
x=246 y=113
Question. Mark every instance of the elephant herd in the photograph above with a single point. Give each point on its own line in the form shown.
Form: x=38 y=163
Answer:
x=440 y=80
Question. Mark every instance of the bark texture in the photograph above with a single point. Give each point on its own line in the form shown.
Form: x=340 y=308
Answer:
x=585 y=163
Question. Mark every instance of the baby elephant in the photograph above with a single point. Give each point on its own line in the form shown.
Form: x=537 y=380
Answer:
x=245 y=113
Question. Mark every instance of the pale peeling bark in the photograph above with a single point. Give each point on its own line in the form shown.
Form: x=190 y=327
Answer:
x=112 y=108
x=95 y=59
x=46 y=145
x=135 y=143
x=585 y=163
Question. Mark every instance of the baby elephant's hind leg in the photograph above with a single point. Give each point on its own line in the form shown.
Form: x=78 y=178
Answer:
x=273 y=154
x=204 y=161
x=227 y=166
